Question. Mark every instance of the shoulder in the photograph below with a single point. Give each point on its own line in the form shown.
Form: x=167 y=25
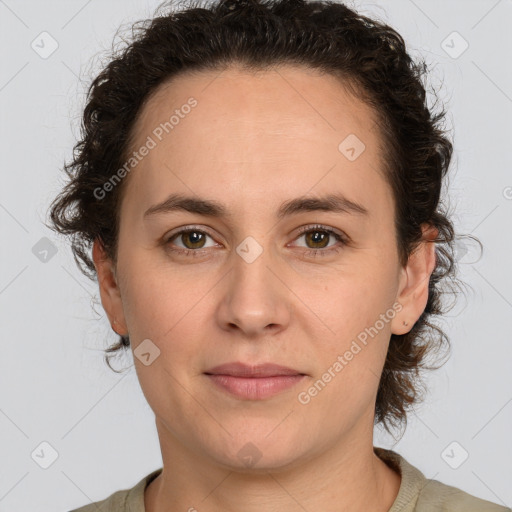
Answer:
x=437 y=496
x=116 y=501
x=125 y=500
x=419 y=494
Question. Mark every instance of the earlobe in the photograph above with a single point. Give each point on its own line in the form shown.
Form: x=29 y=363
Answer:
x=415 y=281
x=109 y=290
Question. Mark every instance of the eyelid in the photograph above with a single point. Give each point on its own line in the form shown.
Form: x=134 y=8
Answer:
x=342 y=237
x=301 y=230
x=188 y=227
x=185 y=229
x=322 y=227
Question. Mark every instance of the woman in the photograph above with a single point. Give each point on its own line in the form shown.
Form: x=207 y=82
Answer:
x=260 y=183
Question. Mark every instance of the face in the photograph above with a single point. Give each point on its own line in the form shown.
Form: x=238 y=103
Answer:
x=317 y=290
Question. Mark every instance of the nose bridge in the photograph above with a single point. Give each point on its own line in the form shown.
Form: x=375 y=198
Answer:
x=251 y=267
x=252 y=279
x=254 y=298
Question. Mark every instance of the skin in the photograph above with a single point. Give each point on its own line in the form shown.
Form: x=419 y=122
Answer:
x=254 y=141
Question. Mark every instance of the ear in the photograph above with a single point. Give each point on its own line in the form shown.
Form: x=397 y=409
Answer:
x=109 y=289
x=414 y=282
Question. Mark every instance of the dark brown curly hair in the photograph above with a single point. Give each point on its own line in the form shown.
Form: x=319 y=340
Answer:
x=369 y=58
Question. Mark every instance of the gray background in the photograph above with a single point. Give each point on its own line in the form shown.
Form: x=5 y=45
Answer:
x=54 y=385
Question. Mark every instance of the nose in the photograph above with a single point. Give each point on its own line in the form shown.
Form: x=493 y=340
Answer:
x=255 y=302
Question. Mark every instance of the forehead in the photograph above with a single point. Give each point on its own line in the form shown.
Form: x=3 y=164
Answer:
x=279 y=133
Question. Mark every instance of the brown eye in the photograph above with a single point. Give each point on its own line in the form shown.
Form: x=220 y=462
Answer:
x=188 y=241
x=192 y=239
x=317 y=240
x=317 y=237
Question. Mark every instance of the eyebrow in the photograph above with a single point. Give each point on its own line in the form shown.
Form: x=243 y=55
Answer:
x=330 y=203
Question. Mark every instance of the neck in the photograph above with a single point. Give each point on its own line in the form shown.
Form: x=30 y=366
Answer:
x=346 y=477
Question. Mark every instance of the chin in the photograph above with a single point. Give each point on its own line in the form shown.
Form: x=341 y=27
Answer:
x=258 y=452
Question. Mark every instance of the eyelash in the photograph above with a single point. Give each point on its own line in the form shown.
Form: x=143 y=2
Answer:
x=322 y=252
x=303 y=230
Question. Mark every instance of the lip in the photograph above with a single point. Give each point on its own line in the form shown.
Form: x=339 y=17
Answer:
x=237 y=369
x=254 y=382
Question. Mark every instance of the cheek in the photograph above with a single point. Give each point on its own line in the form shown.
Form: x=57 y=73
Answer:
x=152 y=299
x=349 y=359
x=351 y=301
x=358 y=310
x=166 y=305
x=165 y=301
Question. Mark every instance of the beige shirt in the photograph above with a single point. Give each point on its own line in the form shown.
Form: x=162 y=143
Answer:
x=416 y=494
